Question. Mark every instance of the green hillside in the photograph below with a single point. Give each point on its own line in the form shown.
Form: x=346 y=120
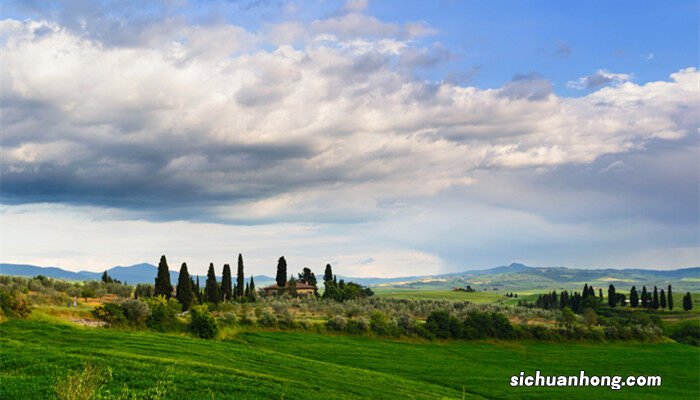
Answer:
x=275 y=365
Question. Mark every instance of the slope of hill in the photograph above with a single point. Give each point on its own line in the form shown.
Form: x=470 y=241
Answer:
x=524 y=278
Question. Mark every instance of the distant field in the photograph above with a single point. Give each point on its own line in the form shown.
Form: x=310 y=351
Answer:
x=275 y=365
x=476 y=297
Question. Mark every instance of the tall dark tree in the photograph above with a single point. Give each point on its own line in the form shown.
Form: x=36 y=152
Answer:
x=193 y=290
x=106 y=278
x=655 y=299
x=308 y=277
x=585 y=290
x=669 y=295
x=328 y=273
x=198 y=292
x=163 y=286
x=251 y=289
x=184 y=288
x=600 y=295
x=564 y=299
x=211 y=290
x=240 y=278
x=687 y=302
x=226 y=289
x=662 y=299
x=612 y=298
x=645 y=297
x=634 y=297
x=281 y=272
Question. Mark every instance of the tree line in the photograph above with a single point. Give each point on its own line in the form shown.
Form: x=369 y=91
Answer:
x=188 y=290
x=578 y=302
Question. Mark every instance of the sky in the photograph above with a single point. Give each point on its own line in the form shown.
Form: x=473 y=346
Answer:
x=388 y=138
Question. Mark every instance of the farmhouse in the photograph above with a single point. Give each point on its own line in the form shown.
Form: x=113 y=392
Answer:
x=301 y=289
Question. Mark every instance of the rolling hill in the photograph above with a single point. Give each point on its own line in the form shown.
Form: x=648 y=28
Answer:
x=513 y=277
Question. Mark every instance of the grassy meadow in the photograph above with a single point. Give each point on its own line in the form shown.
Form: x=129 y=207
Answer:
x=303 y=365
x=411 y=293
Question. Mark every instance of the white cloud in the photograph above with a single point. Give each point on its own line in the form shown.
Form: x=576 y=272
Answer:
x=293 y=128
x=601 y=78
x=327 y=139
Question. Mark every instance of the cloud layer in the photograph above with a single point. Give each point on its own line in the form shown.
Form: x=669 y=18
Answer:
x=328 y=122
x=210 y=121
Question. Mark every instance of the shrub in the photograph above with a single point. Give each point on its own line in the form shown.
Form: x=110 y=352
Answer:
x=228 y=318
x=406 y=324
x=381 y=324
x=688 y=334
x=163 y=313
x=110 y=313
x=443 y=325
x=90 y=382
x=136 y=311
x=267 y=319
x=338 y=323
x=87 y=384
x=202 y=323
x=14 y=304
x=143 y=290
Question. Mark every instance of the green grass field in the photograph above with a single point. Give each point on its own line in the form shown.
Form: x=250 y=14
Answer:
x=295 y=365
x=476 y=297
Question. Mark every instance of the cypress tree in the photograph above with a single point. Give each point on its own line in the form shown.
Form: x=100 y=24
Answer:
x=246 y=293
x=226 y=290
x=662 y=299
x=669 y=295
x=687 y=302
x=564 y=299
x=600 y=294
x=634 y=297
x=328 y=274
x=184 y=288
x=645 y=297
x=281 y=272
x=193 y=290
x=251 y=289
x=612 y=299
x=163 y=286
x=240 y=279
x=211 y=290
x=200 y=298
x=655 y=299
x=585 y=290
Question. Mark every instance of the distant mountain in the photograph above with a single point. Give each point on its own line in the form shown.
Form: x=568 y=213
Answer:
x=521 y=277
x=511 y=277
x=133 y=274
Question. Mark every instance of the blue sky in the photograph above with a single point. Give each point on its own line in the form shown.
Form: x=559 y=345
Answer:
x=388 y=138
